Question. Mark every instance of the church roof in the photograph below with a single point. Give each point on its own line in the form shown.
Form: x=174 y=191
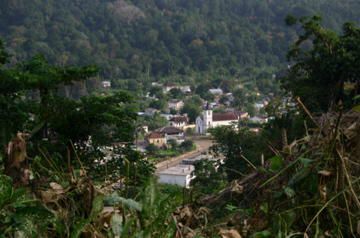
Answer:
x=227 y=116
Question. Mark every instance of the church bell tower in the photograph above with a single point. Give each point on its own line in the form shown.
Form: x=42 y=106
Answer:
x=208 y=118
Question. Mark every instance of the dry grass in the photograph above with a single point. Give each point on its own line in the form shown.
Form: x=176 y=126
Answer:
x=316 y=193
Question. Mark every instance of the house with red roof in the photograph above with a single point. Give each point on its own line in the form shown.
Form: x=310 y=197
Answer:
x=157 y=138
x=172 y=133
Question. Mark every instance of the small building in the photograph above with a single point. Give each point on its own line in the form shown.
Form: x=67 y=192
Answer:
x=180 y=175
x=106 y=84
x=145 y=129
x=258 y=120
x=255 y=129
x=140 y=146
x=259 y=105
x=150 y=111
x=227 y=99
x=194 y=160
x=242 y=115
x=216 y=160
x=216 y=91
x=168 y=86
x=213 y=105
x=185 y=89
x=167 y=116
x=179 y=121
x=156 y=84
x=172 y=133
x=156 y=138
x=175 y=104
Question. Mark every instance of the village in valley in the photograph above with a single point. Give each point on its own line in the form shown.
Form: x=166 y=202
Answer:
x=175 y=134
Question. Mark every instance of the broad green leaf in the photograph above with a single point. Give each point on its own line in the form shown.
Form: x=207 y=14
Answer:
x=97 y=206
x=356 y=97
x=78 y=228
x=132 y=204
x=261 y=234
x=264 y=207
x=289 y=218
x=305 y=162
x=114 y=199
x=356 y=108
x=299 y=176
x=230 y=207
x=6 y=190
x=117 y=224
x=290 y=193
x=276 y=163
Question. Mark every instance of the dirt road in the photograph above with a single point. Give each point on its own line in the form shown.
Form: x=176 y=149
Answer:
x=202 y=145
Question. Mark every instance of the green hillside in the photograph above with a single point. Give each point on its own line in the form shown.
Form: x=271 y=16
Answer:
x=132 y=39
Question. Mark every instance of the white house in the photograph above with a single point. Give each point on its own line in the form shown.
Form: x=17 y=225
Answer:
x=167 y=116
x=259 y=106
x=150 y=111
x=178 y=175
x=172 y=133
x=168 y=86
x=175 y=104
x=208 y=119
x=157 y=138
x=216 y=91
x=145 y=129
x=179 y=121
x=156 y=84
x=185 y=89
x=258 y=120
x=106 y=84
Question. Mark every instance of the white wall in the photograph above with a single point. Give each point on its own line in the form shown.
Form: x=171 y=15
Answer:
x=199 y=128
x=177 y=124
x=181 y=180
x=222 y=123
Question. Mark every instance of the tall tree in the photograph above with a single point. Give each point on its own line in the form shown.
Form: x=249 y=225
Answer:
x=323 y=63
x=242 y=149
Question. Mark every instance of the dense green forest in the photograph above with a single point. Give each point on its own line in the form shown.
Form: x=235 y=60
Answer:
x=161 y=38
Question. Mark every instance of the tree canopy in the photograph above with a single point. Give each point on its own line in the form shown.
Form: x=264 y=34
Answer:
x=324 y=64
x=131 y=39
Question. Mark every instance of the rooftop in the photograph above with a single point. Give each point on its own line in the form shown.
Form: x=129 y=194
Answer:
x=170 y=130
x=227 y=116
x=175 y=101
x=178 y=170
x=168 y=84
x=179 y=119
x=216 y=91
x=155 y=135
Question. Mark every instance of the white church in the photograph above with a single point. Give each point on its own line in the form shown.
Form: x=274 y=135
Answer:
x=208 y=119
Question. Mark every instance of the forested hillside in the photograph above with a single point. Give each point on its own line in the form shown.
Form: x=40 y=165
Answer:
x=157 y=38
